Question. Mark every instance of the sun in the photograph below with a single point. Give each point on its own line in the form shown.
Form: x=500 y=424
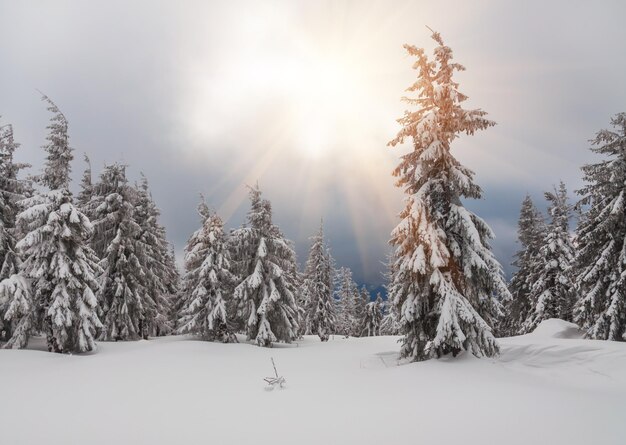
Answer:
x=321 y=96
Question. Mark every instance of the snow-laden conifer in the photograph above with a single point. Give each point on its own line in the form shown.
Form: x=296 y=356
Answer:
x=446 y=281
x=390 y=323
x=265 y=261
x=345 y=293
x=552 y=293
x=362 y=299
x=373 y=317
x=601 y=235
x=122 y=295
x=318 y=288
x=531 y=231
x=57 y=263
x=12 y=190
x=153 y=252
x=208 y=281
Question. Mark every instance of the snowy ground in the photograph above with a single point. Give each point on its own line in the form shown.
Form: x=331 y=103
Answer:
x=549 y=387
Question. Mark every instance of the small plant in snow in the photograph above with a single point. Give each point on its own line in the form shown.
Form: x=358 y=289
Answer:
x=275 y=381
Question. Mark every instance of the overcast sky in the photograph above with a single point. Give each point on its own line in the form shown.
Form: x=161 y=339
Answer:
x=303 y=96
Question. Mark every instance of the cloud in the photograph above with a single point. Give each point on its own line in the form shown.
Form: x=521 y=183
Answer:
x=210 y=96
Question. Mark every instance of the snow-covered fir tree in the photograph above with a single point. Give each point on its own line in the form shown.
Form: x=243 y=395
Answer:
x=153 y=252
x=390 y=323
x=362 y=299
x=123 y=296
x=12 y=190
x=58 y=267
x=446 y=282
x=531 y=231
x=601 y=257
x=208 y=281
x=318 y=289
x=552 y=292
x=346 y=295
x=265 y=263
x=373 y=317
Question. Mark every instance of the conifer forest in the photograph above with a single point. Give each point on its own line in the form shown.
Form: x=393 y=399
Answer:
x=266 y=222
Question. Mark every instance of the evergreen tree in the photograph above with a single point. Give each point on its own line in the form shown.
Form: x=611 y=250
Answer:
x=153 y=252
x=123 y=295
x=57 y=260
x=446 y=281
x=12 y=190
x=208 y=281
x=362 y=299
x=373 y=317
x=318 y=279
x=390 y=323
x=552 y=292
x=345 y=289
x=266 y=264
x=601 y=258
x=531 y=230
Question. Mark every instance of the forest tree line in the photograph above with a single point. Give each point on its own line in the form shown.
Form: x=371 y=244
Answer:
x=99 y=266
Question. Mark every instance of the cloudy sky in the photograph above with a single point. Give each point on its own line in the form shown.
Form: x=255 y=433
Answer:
x=302 y=96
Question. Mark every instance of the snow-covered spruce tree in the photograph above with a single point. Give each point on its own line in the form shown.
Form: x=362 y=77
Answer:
x=362 y=299
x=265 y=261
x=346 y=294
x=446 y=282
x=56 y=258
x=12 y=190
x=373 y=317
x=390 y=323
x=123 y=296
x=531 y=231
x=552 y=293
x=153 y=252
x=601 y=257
x=208 y=281
x=318 y=288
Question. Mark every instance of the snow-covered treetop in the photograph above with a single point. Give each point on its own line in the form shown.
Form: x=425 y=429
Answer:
x=57 y=170
x=607 y=177
x=11 y=187
x=437 y=120
x=559 y=209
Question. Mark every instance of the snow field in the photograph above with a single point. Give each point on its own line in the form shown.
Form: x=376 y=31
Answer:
x=549 y=387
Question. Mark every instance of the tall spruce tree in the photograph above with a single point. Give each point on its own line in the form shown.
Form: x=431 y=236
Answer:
x=208 y=281
x=390 y=323
x=153 y=251
x=346 y=295
x=362 y=299
x=265 y=262
x=318 y=288
x=123 y=295
x=531 y=230
x=552 y=293
x=57 y=261
x=373 y=317
x=446 y=282
x=601 y=258
x=12 y=190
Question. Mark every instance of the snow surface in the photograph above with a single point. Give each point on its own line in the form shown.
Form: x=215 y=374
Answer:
x=546 y=387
